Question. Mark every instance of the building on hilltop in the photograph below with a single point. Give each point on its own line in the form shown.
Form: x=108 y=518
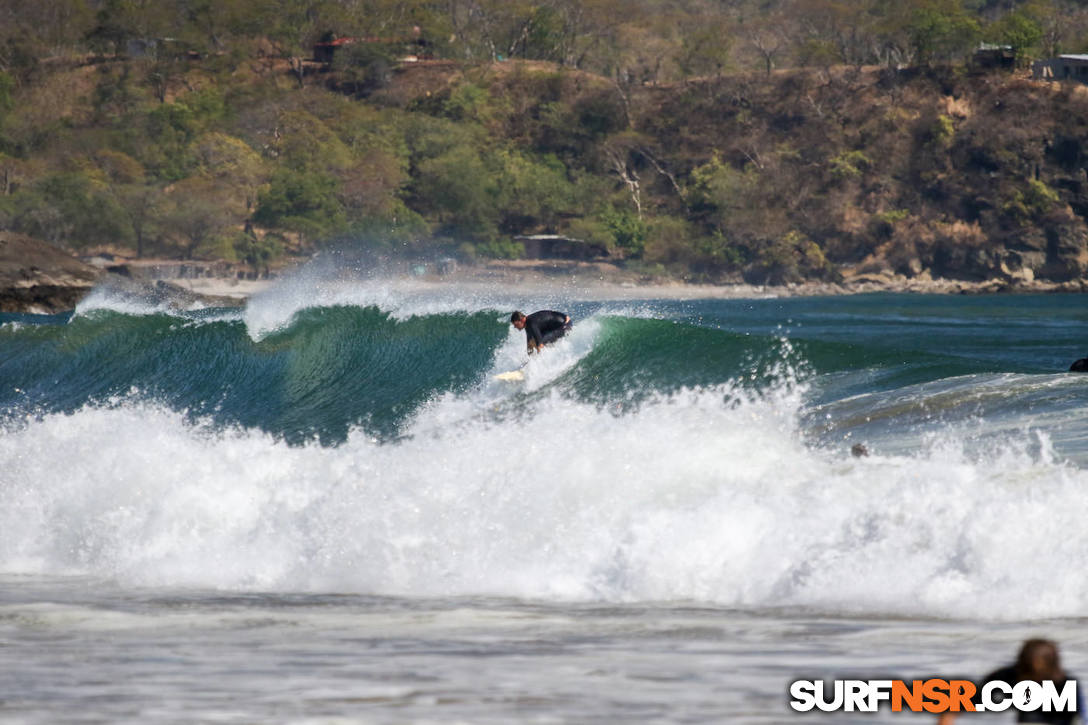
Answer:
x=159 y=48
x=990 y=56
x=555 y=246
x=326 y=49
x=411 y=48
x=1062 y=68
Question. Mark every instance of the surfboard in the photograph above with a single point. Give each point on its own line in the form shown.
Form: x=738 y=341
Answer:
x=513 y=376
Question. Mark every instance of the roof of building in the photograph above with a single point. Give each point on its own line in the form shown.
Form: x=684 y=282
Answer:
x=337 y=42
x=1074 y=57
x=543 y=237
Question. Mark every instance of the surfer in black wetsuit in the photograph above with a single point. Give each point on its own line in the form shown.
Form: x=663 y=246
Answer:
x=541 y=327
x=1038 y=660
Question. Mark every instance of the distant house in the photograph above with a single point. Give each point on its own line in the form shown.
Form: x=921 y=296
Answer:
x=326 y=49
x=990 y=56
x=415 y=46
x=159 y=48
x=1064 y=67
x=555 y=246
x=141 y=47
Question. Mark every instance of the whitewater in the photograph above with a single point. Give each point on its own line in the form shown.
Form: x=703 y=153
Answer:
x=322 y=507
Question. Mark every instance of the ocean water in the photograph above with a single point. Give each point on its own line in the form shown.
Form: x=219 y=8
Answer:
x=323 y=508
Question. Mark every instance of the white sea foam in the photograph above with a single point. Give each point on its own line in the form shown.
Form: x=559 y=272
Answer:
x=108 y=299
x=687 y=498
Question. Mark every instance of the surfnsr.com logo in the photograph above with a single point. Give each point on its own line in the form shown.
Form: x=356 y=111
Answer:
x=933 y=695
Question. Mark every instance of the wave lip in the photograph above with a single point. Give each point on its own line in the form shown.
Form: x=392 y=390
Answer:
x=402 y=299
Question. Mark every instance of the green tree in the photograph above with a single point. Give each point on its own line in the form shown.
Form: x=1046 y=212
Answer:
x=302 y=202
x=365 y=67
x=1018 y=30
x=232 y=163
x=70 y=208
x=371 y=189
x=304 y=142
x=108 y=35
x=940 y=30
x=460 y=189
x=198 y=216
x=30 y=29
x=534 y=195
x=142 y=207
x=170 y=128
x=257 y=251
x=7 y=96
x=139 y=201
x=115 y=94
x=628 y=230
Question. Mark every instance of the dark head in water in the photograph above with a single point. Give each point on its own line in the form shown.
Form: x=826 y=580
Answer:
x=1080 y=366
x=1039 y=660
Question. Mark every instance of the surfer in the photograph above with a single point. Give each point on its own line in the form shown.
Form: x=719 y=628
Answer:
x=541 y=328
x=1079 y=366
x=1038 y=660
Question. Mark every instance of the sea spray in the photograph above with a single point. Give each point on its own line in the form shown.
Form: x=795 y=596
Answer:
x=687 y=499
x=663 y=451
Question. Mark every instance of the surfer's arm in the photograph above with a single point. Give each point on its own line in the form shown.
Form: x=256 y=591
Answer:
x=532 y=337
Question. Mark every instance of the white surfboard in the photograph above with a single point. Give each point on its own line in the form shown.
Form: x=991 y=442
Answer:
x=512 y=377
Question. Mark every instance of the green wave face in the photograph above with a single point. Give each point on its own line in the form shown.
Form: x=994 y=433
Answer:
x=332 y=368
x=329 y=369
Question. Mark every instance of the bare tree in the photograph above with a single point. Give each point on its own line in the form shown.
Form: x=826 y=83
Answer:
x=768 y=38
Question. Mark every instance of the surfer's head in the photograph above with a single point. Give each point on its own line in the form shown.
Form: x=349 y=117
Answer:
x=1039 y=660
x=517 y=320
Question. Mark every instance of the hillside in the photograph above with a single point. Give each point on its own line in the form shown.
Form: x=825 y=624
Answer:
x=769 y=178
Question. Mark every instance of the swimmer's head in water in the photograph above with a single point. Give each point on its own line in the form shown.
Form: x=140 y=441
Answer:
x=517 y=320
x=1039 y=660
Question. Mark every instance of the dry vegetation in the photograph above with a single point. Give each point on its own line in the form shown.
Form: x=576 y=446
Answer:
x=770 y=142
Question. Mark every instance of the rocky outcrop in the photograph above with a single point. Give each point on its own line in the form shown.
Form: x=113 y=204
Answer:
x=38 y=277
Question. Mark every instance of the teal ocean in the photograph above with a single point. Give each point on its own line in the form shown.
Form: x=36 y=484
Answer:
x=673 y=474
x=871 y=366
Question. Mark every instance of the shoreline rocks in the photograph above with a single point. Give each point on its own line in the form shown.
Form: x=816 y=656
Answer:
x=39 y=278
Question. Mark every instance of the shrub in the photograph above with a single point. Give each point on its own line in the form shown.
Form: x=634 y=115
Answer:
x=501 y=249
x=849 y=165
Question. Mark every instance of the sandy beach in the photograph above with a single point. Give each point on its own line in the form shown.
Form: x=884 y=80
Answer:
x=223 y=286
x=608 y=282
